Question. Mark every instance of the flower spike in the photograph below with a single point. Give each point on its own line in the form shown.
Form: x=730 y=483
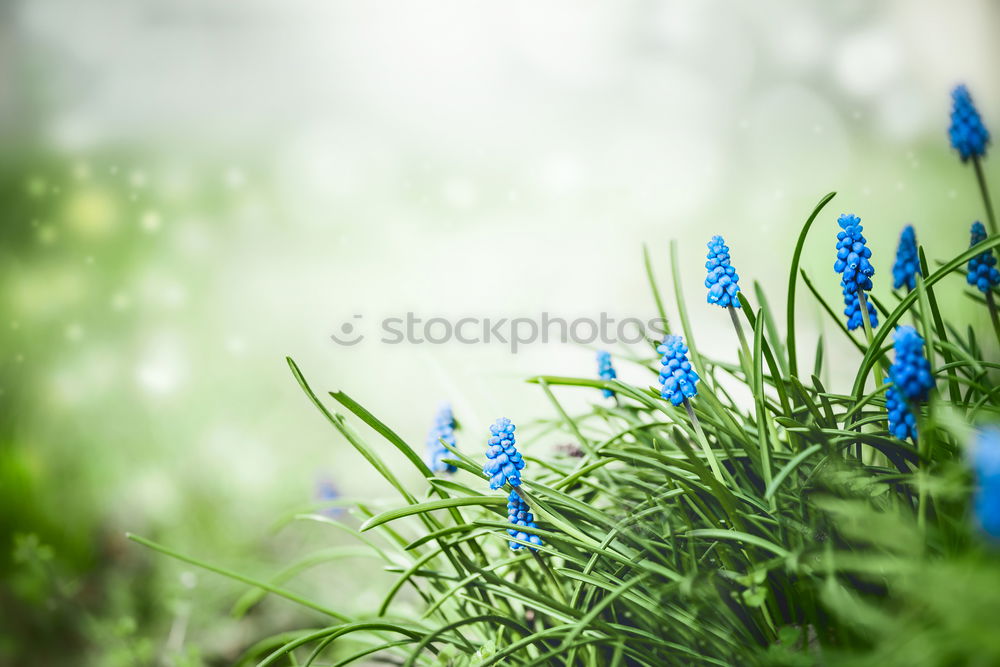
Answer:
x=912 y=382
x=967 y=133
x=676 y=376
x=911 y=372
x=504 y=463
x=852 y=310
x=605 y=370
x=986 y=465
x=982 y=272
x=722 y=280
x=902 y=422
x=907 y=266
x=443 y=429
x=519 y=514
x=854 y=265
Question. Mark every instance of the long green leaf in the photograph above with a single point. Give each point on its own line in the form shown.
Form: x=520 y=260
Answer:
x=656 y=291
x=793 y=362
x=430 y=506
x=225 y=572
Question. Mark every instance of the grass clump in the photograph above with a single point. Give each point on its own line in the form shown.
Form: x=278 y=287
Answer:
x=687 y=526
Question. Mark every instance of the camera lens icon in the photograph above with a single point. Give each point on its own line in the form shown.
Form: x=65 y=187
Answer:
x=348 y=334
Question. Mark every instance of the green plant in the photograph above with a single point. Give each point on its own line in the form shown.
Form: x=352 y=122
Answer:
x=785 y=529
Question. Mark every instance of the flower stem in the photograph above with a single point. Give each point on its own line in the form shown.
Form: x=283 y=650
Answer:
x=922 y=493
x=922 y=508
x=868 y=334
x=747 y=360
x=917 y=320
x=986 y=195
x=709 y=454
x=877 y=366
x=991 y=304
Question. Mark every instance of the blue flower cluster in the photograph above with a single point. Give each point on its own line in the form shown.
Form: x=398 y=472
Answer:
x=902 y=421
x=852 y=310
x=907 y=266
x=722 y=280
x=519 y=514
x=911 y=372
x=912 y=382
x=854 y=265
x=605 y=370
x=968 y=134
x=986 y=465
x=503 y=462
x=443 y=429
x=676 y=376
x=982 y=271
x=503 y=466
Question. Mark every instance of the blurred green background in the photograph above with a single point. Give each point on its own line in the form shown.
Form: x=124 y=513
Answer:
x=192 y=190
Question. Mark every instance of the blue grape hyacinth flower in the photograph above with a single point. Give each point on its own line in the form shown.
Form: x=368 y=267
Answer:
x=902 y=421
x=677 y=376
x=912 y=382
x=855 y=269
x=967 y=133
x=852 y=310
x=986 y=465
x=443 y=429
x=503 y=462
x=907 y=266
x=520 y=516
x=605 y=370
x=327 y=492
x=722 y=280
x=910 y=371
x=982 y=271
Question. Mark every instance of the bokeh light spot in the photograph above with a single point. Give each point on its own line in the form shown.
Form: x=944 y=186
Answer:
x=91 y=212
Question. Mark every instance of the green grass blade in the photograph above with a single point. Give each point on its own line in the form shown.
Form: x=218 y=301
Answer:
x=656 y=290
x=837 y=319
x=236 y=576
x=430 y=506
x=758 y=392
x=492 y=619
x=336 y=632
x=341 y=425
x=696 y=359
x=942 y=334
x=793 y=363
x=254 y=596
x=773 y=336
x=789 y=468
x=383 y=430
x=738 y=536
